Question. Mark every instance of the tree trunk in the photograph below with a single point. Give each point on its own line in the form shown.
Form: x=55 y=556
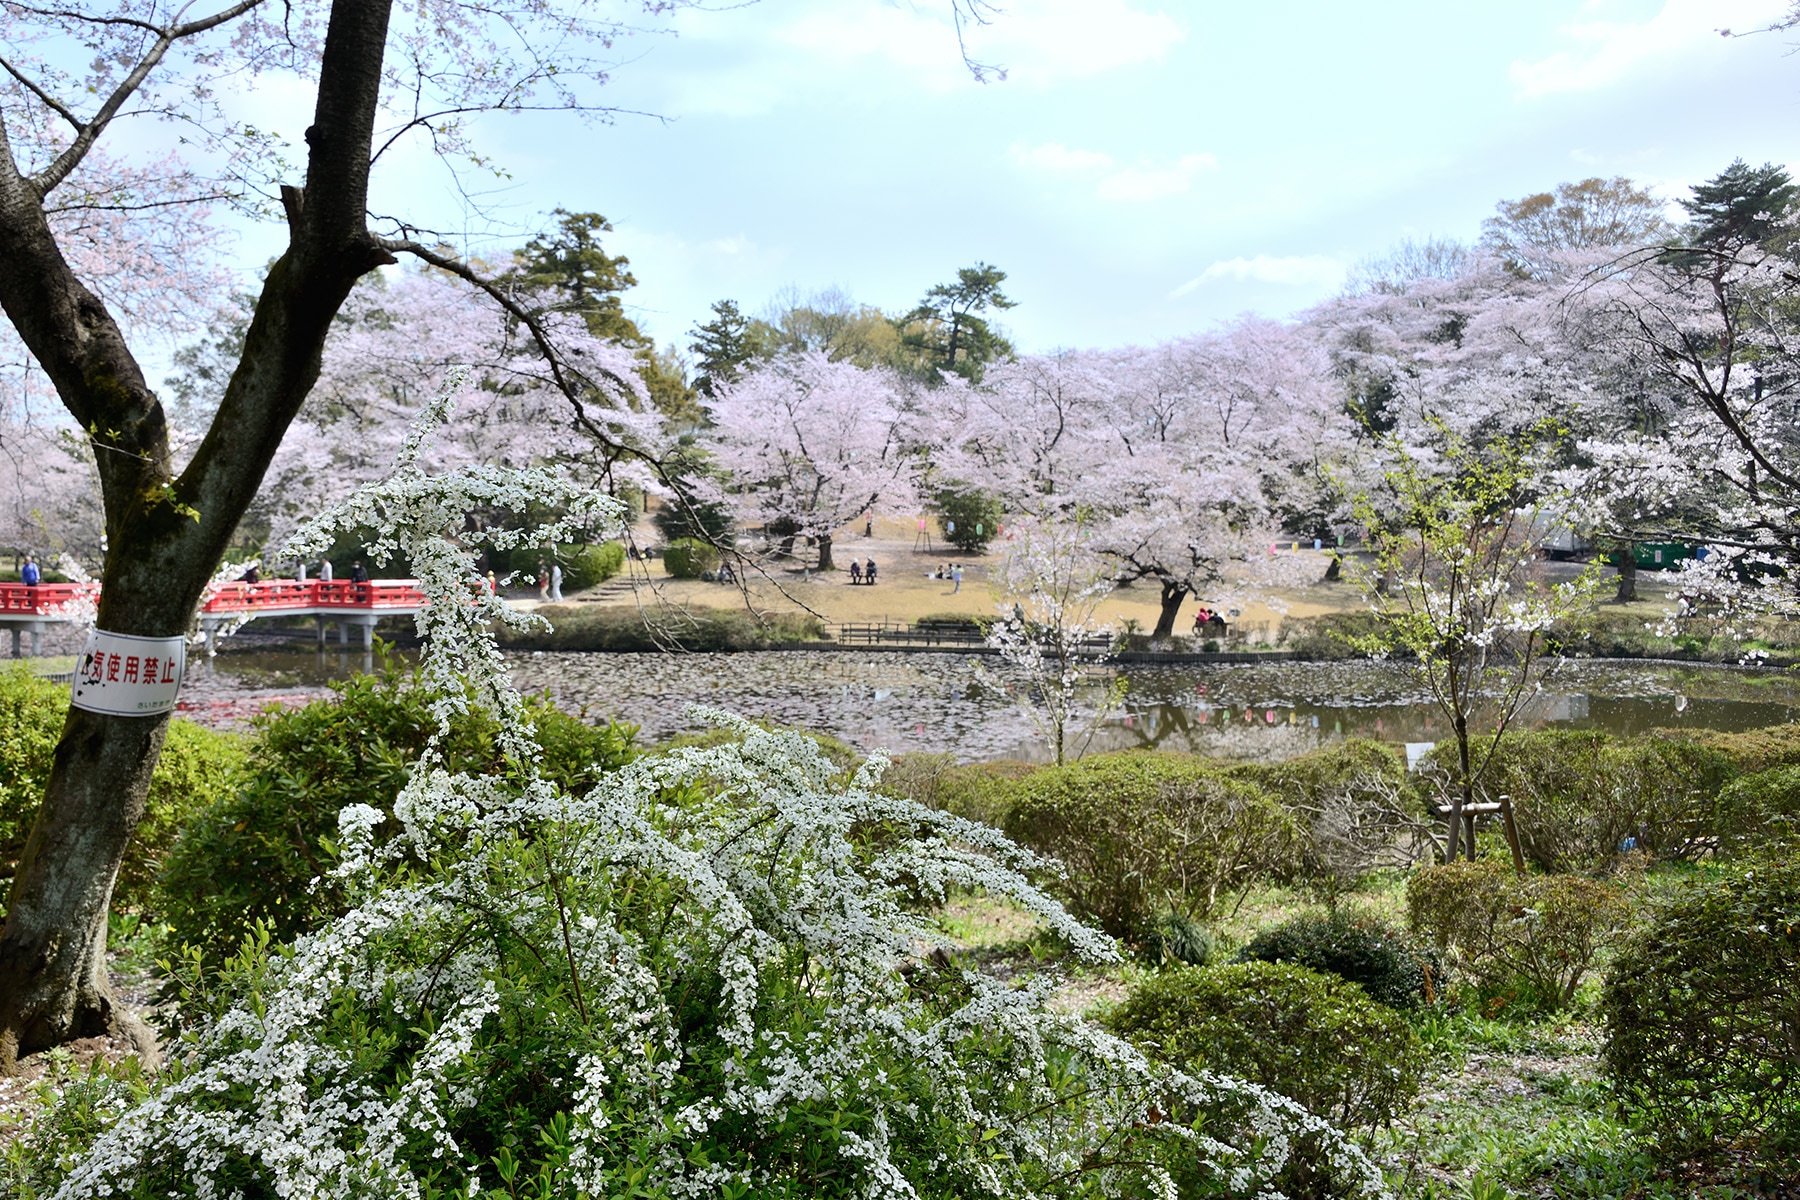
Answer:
x=825 y=553
x=165 y=533
x=1627 y=573
x=1335 y=571
x=1174 y=595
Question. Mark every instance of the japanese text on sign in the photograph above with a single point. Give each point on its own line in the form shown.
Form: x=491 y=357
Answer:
x=127 y=675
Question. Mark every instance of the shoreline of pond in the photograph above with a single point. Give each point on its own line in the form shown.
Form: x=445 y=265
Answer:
x=971 y=708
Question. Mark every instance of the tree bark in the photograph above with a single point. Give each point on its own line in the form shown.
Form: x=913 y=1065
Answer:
x=825 y=552
x=165 y=534
x=1627 y=573
x=1174 y=595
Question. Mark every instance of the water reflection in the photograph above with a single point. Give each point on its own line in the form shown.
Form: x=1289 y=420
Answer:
x=930 y=701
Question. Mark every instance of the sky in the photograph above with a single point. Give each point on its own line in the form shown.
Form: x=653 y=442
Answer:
x=1144 y=170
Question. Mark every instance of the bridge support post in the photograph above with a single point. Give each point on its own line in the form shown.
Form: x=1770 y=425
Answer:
x=343 y=633
x=319 y=628
x=15 y=633
x=37 y=641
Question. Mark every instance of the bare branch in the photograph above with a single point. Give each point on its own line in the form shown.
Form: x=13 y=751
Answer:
x=47 y=179
x=49 y=101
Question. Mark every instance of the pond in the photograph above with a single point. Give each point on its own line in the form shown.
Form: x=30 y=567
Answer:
x=935 y=701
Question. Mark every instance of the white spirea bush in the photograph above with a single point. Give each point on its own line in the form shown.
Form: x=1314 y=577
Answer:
x=712 y=975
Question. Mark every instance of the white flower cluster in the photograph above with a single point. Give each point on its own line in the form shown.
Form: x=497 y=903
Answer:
x=714 y=954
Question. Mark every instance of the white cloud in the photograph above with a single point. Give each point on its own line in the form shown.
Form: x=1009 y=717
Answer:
x=1154 y=182
x=1035 y=43
x=1148 y=180
x=1058 y=158
x=1042 y=42
x=1609 y=51
x=1295 y=270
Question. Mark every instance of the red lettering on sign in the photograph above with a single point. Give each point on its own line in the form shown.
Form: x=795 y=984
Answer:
x=112 y=669
x=168 y=675
x=131 y=669
x=98 y=671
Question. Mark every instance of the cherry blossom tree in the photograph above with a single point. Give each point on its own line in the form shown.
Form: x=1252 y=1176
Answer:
x=82 y=80
x=1048 y=631
x=392 y=344
x=1708 y=320
x=1223 y=442
x=812 y=444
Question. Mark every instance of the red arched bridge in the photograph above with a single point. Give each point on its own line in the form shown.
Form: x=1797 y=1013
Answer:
x=337 y=601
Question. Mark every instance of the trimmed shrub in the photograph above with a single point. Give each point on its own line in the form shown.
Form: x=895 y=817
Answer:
x=1578 y=795
x=589 y=566
x=689 y=558
x=198 y=767
x=1311 y=1037
x=1356 y=806
x=1386 y=963
x=252 y=855
x=1751 y=751
x=1525 y=943
x=1702 y=1026
x=1138 y=833
x=978 y=791
x=1756 y=810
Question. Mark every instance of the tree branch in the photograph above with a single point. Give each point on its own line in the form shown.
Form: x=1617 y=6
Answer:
x=48 y=100
x=46 y=180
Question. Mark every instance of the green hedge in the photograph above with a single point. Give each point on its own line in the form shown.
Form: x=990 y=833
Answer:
x=1353 y=799
x=689 y=558
x=1391 y=967
x=198 y=767
x=591 y=627
x=1311 y=1037
x=252 y=855
x=1579 y=794
x=1702 y=1027
x=1138 y=832
x=1526 y=944
x=589 y=566
x=981 y=791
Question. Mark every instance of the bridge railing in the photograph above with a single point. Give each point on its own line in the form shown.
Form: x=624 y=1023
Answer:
x=48 y=599
x=316 y=593
x=42 y=600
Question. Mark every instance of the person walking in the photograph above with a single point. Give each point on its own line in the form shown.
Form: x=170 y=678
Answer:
x=556 y=583
x=29 y=575
x=543 y=582
x=956 y=575
x=325 y=570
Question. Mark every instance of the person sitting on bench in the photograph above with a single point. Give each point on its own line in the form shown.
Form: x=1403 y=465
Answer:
x=869 y=571
x=855 y=571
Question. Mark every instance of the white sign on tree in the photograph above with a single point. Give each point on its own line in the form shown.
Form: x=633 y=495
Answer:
x=129 y=676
